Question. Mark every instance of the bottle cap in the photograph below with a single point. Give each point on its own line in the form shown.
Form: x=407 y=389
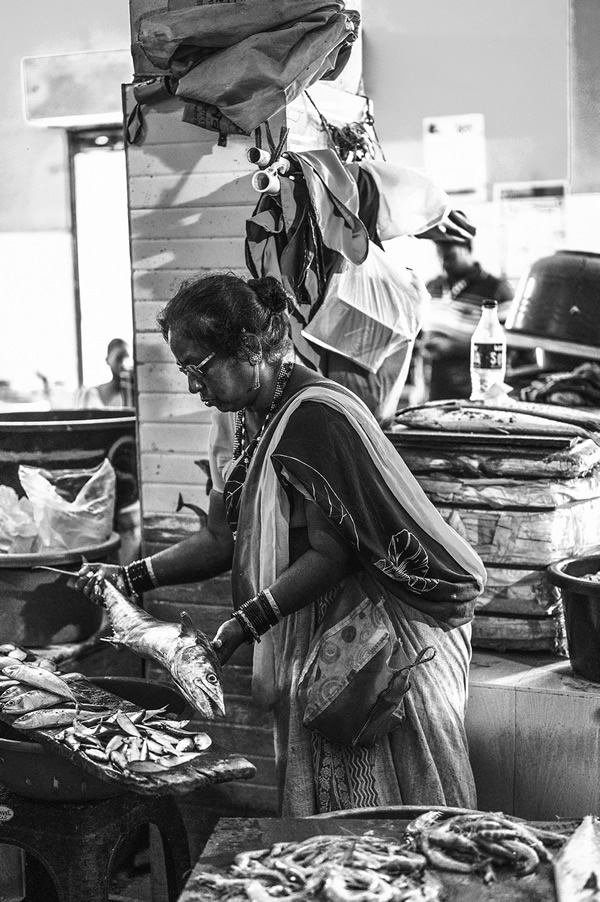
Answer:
x=489 y=303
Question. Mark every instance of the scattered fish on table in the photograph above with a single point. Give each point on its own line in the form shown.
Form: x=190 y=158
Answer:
x=182 y=649
x=30 y=700
x=46 y=718
x=40 y=678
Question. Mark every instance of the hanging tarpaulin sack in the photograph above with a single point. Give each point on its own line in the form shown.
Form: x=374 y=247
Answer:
x=369 y=310
x=252 y=57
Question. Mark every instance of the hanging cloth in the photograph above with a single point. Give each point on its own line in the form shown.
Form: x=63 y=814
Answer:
x=304 y=234
x=250 y=58
x=335 y=200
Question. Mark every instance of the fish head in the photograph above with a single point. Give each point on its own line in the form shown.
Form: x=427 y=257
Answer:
x=197 y=671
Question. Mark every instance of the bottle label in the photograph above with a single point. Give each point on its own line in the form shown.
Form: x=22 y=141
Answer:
x=488 y=356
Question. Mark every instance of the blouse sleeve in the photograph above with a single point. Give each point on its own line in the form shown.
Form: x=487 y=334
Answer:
x=220 y=447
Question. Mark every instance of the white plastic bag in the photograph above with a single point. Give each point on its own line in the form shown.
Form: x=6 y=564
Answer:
x=61 y=524
x=17 y=525
x=369 y=310
x=409 y=202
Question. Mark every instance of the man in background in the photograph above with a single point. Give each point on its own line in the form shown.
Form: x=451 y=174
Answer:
x=456 y=296
x=118 y=391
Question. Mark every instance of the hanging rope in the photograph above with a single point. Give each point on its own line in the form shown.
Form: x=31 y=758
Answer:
x=274 y=149
x=354 y=141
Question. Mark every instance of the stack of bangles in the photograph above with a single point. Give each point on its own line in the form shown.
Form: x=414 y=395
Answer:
x=139 y=576
x=258 y=615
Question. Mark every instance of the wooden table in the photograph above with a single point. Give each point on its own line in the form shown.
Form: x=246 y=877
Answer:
x=214 y=765
x=233 y=835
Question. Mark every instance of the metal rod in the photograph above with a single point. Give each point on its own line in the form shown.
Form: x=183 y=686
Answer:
x=55 y=570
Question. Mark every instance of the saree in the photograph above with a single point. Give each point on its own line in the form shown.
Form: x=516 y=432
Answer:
x=327 y=446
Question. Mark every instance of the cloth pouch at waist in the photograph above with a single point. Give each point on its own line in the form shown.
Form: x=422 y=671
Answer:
x=356 y=675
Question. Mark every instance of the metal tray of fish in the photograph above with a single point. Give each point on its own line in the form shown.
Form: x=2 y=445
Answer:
x=144 y=751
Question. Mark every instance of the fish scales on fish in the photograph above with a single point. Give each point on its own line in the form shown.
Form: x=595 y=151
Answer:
x=183 y=650
x=40 y=679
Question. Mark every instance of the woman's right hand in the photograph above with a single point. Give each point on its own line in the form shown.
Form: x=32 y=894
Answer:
x=227 y=639
x=87 y=579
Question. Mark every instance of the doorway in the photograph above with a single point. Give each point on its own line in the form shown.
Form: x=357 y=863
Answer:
x=100 y=229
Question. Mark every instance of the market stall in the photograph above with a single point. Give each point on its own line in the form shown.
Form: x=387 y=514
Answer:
x=522 y=489
x=424 y=854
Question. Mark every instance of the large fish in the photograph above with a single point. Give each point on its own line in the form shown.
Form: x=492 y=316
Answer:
x=182 y=649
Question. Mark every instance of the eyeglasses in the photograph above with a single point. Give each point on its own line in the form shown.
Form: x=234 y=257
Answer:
x=195 y=369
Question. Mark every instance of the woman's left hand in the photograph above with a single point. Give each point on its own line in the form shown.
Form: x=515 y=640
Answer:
x=227 y=639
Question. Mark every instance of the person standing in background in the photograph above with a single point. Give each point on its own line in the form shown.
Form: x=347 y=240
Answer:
x=456 y=297
x=118 y=391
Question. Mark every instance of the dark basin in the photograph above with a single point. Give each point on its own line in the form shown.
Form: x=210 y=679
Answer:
x=28 y=769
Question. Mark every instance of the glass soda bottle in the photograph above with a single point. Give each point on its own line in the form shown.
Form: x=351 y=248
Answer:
x=488 y=352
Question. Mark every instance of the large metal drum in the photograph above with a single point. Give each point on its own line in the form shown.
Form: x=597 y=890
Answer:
x=38 y=607
x=557 y=304
x=71 y=439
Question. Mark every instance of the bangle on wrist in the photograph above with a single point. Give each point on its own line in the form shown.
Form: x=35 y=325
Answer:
x=250 y=634
x=138 y=578
x=258 y=615
x=272 y=604
x=151 y=573
x=125 y=577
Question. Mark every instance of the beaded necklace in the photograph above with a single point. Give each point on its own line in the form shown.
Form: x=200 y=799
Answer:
x=240 y=445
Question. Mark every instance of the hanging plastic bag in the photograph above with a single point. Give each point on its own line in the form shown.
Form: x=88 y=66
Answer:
x=370 y=310
x=409 y=202
x=62 y=524
x=17 y=525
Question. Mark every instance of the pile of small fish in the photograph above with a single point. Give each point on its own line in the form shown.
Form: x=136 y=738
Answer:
x=15 y=653
x=141 y=742
x=137 y=741
x=477 y=842
x=39 y=697
x=345 y=868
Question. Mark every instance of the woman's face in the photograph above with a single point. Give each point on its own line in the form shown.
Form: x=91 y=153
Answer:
x=224 y=382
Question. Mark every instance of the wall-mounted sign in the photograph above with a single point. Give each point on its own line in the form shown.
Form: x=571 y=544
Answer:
x=531 y=219
x=454 y=153
x=75 y=89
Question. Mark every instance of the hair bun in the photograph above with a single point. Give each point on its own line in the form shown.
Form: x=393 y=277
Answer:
x=271 y=293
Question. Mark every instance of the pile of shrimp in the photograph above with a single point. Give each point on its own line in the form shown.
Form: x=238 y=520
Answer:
x=334 y=868
x=369 y=868
x=477 y=842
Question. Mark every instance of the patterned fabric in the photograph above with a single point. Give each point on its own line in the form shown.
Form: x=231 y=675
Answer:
x=322 y=454
x=344 y=778
x=346 y=649
x=326 y=447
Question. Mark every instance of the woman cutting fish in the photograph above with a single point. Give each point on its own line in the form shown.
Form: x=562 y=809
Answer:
x=355 y=593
